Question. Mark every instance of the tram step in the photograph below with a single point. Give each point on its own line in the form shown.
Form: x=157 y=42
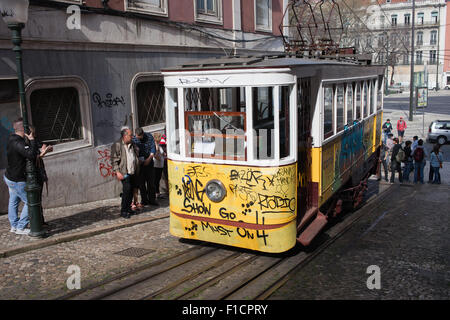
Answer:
x=313 y=229
x=308 y=215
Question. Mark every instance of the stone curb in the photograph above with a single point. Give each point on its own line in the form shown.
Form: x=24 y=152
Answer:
x=75 y=236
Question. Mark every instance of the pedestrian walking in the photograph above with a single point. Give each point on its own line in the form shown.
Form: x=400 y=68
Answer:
x=396 y=158
x=383 y=161
x=42 y=177
x=436 y=163
x=419 y=157
x=408 y=161
x=401 y=127
x=125 y=163
x=17 y=151
x=146 y=145
x=387 y=128
x=414 y=144
x=389 y=146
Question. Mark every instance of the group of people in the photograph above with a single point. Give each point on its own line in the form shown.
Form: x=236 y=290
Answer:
x=413 y=155
x=138 y=163
x=20 y=147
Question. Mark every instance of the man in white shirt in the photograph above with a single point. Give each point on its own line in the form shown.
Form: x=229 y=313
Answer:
x=125 y=163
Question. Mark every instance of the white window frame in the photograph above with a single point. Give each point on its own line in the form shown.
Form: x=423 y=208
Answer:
x=80 y=2
x=34 y=84
x=145 y=77
x=143 y=7
x=261 y=27
x=216 y=18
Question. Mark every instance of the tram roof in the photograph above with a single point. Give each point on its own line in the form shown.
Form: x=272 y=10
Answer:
x=245 y=62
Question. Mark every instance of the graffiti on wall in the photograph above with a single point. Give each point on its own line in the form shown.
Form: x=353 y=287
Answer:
x=108 y=102
x=104 y=162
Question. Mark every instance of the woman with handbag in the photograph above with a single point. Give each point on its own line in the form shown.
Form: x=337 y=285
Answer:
x=436 y=163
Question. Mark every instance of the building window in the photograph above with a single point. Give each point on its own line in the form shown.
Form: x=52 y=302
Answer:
x=434 y=17
x=394 y=20
x=60 y=111
x=420 y=18
x=406 y=58
x=419 y=57
x=158 y=7
x=150 y=103
x=433 y=37
x=432 y=57
x=263 y=15
x=407 y=19
x=209 y=11
x=419 y=38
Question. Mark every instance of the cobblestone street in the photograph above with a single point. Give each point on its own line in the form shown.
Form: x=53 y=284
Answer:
x=407 y=237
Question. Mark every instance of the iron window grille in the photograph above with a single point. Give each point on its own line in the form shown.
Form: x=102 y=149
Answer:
x=56 y=114
x=150 y=103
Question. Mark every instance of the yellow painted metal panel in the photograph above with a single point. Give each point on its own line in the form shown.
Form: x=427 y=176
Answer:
x=258 y=211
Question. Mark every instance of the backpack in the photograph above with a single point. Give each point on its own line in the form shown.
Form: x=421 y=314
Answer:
x=400 y=155
x=418 y=154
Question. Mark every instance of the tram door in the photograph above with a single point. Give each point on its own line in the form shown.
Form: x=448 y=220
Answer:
x=304 y=190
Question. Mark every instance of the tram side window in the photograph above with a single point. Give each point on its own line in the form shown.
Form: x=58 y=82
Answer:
x=340 y=107
x=372 y=96
x=366 y=100
x=327 y=112
x=284 y=122
x=263 y=122
x=349 y=104
x=380 y=93
x=215 y=122
x=358 y=102
x=174 y=132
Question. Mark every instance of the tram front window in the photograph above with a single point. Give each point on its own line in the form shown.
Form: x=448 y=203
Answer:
x=215 y=121
x=263 y=123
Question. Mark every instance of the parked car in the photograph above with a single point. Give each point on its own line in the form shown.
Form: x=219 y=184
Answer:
x=439 y=131
x=396 y=88
x=447 y=87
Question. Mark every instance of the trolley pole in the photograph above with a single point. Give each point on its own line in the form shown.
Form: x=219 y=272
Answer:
x=411 y=81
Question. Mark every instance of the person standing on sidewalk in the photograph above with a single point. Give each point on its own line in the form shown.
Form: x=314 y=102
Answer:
x=419 y=162
x=408 y=161
x=147 y=149
x=42 y=178
x=414 y=144
x=436 y=163
x=395 y=163
x=401 y=127
x=125 y=163
x=383 y=161
x=387 y=128
x=17 y=151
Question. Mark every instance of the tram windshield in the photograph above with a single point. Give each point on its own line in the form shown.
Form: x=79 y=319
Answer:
x=215 y=121
x=240 y=123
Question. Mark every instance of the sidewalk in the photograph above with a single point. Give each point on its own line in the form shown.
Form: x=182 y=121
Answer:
x=77 y=222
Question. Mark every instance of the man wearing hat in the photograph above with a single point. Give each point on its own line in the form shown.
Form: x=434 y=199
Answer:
x=401 y=127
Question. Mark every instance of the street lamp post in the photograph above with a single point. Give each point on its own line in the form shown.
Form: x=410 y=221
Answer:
x=15 y=15
x=411 y=81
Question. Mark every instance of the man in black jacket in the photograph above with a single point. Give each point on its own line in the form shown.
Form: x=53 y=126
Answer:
x=17 y=151
x=395 y=165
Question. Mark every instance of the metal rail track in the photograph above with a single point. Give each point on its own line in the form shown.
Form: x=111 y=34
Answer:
x=215 y=272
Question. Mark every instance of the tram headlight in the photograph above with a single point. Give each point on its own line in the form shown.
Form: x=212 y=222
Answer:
x=215 y=190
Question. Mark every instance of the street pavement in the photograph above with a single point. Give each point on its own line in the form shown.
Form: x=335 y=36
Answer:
x=403 y=246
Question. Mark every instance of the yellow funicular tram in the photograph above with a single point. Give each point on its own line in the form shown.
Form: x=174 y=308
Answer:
x=263 y=151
